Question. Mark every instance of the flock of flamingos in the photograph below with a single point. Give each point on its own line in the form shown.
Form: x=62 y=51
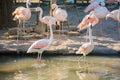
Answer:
x=96 y=9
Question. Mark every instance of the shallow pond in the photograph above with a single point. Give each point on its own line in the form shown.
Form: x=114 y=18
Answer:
x=59 y=68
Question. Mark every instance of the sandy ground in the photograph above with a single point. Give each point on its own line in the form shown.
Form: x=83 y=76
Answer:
x=108 y=43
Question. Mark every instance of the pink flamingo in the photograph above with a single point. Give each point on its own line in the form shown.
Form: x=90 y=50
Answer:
x=59 y=14
x=94 y=4
x=115 y=14
x=42 y=44
x=97 y=6
x=100 y=12
x=22 y=14
x=90 y=18
x=87 y=47
x=89 y=21
x=45 y=19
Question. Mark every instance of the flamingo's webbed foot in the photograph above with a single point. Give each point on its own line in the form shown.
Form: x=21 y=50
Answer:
x=39 y=61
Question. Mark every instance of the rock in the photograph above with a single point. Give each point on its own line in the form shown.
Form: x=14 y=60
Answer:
x=39 y=29
x=12 y=37
x=12 y=31
x=73 y=33
x=60 y=31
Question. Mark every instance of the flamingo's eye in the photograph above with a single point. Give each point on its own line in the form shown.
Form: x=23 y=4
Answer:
x=88 y=17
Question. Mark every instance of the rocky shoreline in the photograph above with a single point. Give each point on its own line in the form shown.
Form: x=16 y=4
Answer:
x=66 y=46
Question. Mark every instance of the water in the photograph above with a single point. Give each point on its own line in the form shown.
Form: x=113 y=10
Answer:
x=59 y=68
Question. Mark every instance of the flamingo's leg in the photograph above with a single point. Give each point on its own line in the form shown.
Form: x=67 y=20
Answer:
x=39 y=56
x=86 y=35
x=59 y=30
x=101 y=28
x=85 y=64
x=84 y=58
x=42 y=28
x=80 y=60
x=18 y=35
x=24 y=30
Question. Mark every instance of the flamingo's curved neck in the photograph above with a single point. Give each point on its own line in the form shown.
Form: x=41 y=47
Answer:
x=118 y=16
x=90 y=33
x=27 y=3
x=41 y=13
x=55 y=10
x=51 y=31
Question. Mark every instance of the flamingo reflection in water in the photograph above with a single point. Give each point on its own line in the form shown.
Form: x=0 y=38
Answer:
x=42 y=44
x=86 y=48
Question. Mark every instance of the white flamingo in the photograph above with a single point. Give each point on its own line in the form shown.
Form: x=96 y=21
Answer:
x=100 y=13
x=42 y=44
x=59 y=14
x=22 y=14
x=87 y=47
x=89 y=21
x=115 y=14
x=45 y=19
x=94 y=4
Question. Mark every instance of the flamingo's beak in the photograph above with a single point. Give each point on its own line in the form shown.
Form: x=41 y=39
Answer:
x=81 y=50
x=28 y=2
x=79 y=26
x=13 y=13
x=77 y=52
x=107 y=16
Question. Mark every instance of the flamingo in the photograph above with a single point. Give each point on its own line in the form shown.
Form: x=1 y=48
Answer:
x=42 y=44
x=22 y=14
x=87 y=47
x=45 y=19
x=90 y=18
x=59 y=14
x=94 y=4
x=115 y=14
x=89 y=21
x=97 y=6
x=100 y=12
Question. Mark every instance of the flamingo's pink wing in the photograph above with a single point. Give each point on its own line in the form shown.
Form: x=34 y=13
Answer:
x=91 y=6
x=42 y=45
x=61 y=14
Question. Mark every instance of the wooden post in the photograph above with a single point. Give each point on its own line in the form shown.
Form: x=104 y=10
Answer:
x=74 y=1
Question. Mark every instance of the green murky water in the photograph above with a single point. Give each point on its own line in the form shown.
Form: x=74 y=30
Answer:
x=59 y=68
